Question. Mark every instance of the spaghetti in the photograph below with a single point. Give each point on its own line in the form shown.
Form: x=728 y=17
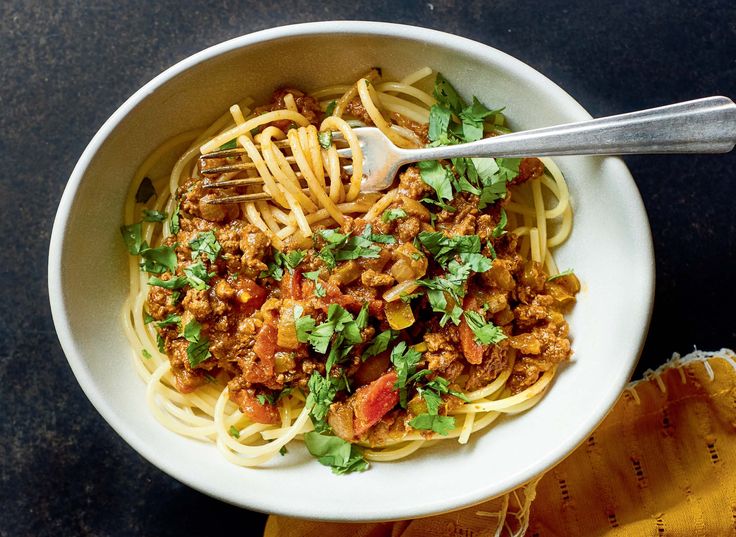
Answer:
x=292 y=156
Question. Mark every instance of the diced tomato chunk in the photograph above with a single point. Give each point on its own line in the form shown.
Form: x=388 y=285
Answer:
x=373 y=401
x=472 y=350
x=254 y=410
x=265 y=345
x=291 y=285
x=250 y=294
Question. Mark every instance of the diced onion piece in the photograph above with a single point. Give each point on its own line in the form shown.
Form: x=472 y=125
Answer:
x=399 y=315
x=414 y=208
x=286 y=337
x=397 y=291
x=402 y=271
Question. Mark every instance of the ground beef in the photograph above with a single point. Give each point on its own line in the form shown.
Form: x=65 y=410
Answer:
x=411 y=184
x=356 y=109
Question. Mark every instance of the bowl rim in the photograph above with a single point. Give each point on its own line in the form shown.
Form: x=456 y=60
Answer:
x=380 y=29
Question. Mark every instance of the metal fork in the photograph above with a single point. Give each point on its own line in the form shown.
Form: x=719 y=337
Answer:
x=705 y=125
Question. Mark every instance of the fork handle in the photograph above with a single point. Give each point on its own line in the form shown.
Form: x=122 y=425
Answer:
x=701 y=126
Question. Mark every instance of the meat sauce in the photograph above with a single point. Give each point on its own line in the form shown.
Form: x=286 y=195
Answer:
x=247 y=314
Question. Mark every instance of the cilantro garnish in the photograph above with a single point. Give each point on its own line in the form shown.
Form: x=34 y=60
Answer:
x=172 y=318
x=319 y=289
x=174 y=221
x=483 y=177
x=343 y=457
x=379 y=343
x=133 y=238
x=322 y=391
x=442 y=425
x=205 y=244
x=438 y=177
x=158 y=260
x=176 y=282
x=432 y=393
x=283 y=451
x=567 y=272
x=339 y=323
x=146 y=354
x=392 y=214
x=154 y=260
x=330 y=108
x=199 y=347
x=153 y=216
x=444 y=248
x=405 y=362
x=485 y=332
x=232 y=144
x=280 y=261
x=197 y=276
x=340 y=247
x=233 y=431
x=446 y=251
x=500 y=228
x=271 y=398
x=325 y=139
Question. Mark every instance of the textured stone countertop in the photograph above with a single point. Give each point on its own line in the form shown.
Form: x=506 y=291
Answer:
x=66 y=66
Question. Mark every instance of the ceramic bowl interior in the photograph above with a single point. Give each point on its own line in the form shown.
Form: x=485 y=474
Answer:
x=610 y=249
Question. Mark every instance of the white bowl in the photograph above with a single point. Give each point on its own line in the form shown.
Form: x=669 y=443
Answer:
x=610 y=249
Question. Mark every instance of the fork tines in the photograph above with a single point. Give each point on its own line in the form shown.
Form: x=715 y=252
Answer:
x=343 y=153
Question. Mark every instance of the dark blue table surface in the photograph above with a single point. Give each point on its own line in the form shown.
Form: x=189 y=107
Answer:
x=66 y=66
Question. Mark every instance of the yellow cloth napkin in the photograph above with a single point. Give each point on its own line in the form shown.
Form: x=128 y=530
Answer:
x=663 y=463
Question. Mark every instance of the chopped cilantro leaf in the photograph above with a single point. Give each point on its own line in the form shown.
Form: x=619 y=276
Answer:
x=233 y=431
x=319 y=289
x=330 y=108
x=145 y=191
x=500 y=228
x=321 y=393
x=197 y=276
x=340 y=247
x=158 y=260
x=508 y=168
x=472 y=118
x=205 y=244
x=392 y=214
x=153 y=216
x=409 y=297
x=266 y=398
x=438 y=177
x=176 y=282
x=174 y=221
x=198 y=349
x=146 y=354
x=232 y=144
x=147 y=317
x=439 y=120
x=293 y=258
x=444 y=248
x=567 y=272
x=485 y=332
x=133 y=239
x=379 y=343
x=325 y=139
x=343 y=457
x=160 y=343
x=446 y=94
x=442 y=425
x=405 y=361
x=172 y=318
